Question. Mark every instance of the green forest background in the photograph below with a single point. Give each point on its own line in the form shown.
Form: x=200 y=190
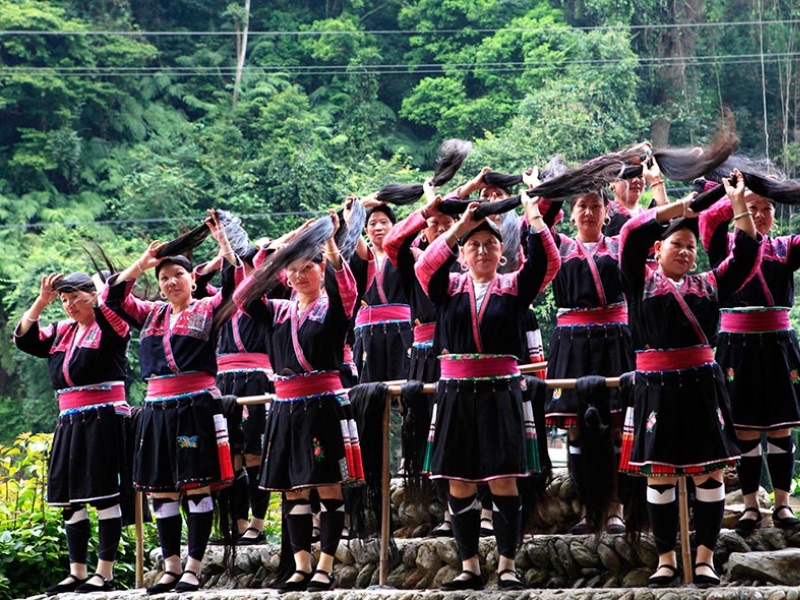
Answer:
x=121 y=121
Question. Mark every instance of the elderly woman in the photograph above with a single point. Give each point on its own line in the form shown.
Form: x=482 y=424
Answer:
x=759 y=354
x=177 y=451
x=311 y=439
x=87 y=363
x=681 y=418
x=479 y=400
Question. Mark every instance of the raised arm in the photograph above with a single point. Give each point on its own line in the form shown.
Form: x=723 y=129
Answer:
x=46 y=295
x=745 y=256
x=543 y=260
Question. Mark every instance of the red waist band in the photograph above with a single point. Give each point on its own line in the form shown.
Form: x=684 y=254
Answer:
x=243 y=360
x=175 y=385
x=673 y=360
x=477 y=366
x=594 y=316
x=91 y=395
x=753 y=321
x=307 y=384
x=423 y=333
x=369 y=315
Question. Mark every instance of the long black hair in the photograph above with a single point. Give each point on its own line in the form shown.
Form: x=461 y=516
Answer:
x=452 y=153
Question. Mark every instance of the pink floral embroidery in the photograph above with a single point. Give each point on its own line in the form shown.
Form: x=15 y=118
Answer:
x=729 y=374
x=319 y=453
x=651 y=421
x=795 y=376
x=721 y=420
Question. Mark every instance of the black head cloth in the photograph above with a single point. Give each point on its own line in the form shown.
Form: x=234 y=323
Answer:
x=75 y=282
x=486 y=225
x=679 y=224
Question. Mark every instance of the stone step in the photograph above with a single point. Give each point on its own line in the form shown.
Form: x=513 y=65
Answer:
x=687 y=593
x=545 y=561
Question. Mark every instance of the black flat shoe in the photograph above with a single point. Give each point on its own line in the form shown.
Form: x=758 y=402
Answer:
x=665 y=581
x=516 y=583
x=321 y=586
x=183 y=587
x=473 y=581
x=580 y=528
x=88 y=588
x=784 y=522
x=442 y=530
x=160 y=588
x=615 y=525
x=255 y=540
x=63 y=588
x=296 y=586
x=705 y=581
x=745 y=527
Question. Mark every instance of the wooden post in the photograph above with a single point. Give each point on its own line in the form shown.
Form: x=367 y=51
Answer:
x=683 y=519
x=138 y=497
x=385 y=500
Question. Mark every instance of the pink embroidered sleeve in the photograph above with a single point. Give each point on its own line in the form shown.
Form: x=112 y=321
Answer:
x=711 y=219
x=119 y=298
x=432 y=260
x=408 y=227
x=348 y=290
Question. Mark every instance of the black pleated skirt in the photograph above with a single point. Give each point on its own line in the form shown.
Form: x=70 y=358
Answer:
x=90 y=457
x=578 y=350
x=762 y=373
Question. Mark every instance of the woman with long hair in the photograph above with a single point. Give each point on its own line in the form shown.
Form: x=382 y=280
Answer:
x=177 y=452
x=682 y=424
x=479 y=400
x=87 y=363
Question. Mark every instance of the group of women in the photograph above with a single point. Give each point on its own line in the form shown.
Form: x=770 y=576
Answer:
x=437 y=303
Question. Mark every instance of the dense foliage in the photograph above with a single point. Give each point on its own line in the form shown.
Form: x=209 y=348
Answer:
x=122 y=121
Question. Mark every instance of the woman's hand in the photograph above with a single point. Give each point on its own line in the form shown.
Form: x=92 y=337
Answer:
x=336 y=223
x=652 y=172
x=149 y=257
x=47 y=293
x=734 y=191
x=530 y=177
x=432 y=206
x=371 y=201
x=347 y=208
x=429 y=190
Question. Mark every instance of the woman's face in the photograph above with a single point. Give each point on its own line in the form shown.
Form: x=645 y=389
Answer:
x=482 y=252
x=175 y=283
x=378 y=225
x=628 y=191
x=305 y=276
x=677 y=254
x=79 y=306
x=438 y=223
x=763 y=212
x=589 y=213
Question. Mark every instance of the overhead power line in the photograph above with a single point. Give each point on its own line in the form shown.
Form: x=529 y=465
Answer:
x=197 y=218
x=407 y=32
x=397 y=68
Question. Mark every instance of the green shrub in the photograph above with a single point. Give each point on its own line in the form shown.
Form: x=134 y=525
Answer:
x=33 y=547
